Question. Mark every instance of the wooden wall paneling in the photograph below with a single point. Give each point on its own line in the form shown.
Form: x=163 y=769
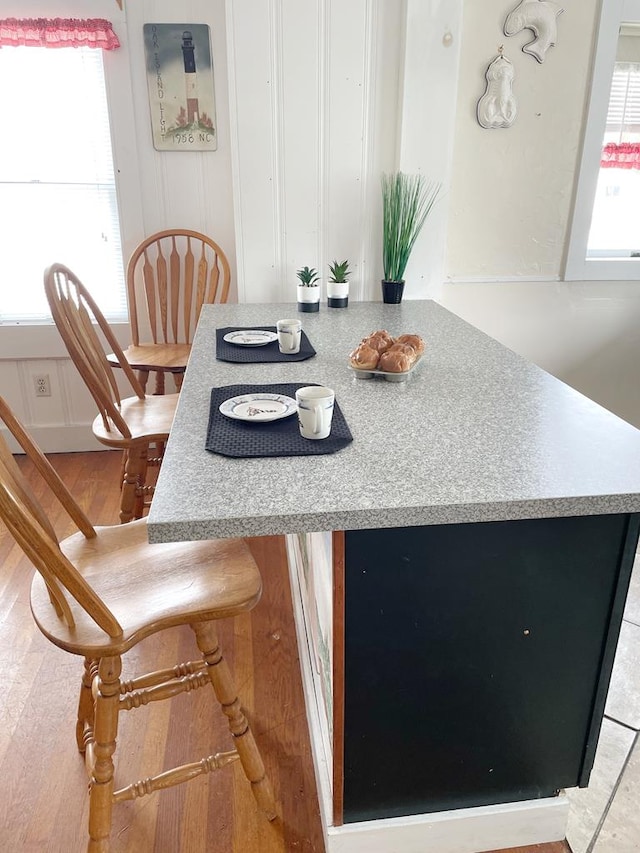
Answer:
x=345 y=91
x=253 y=40
x=313 y=123
x=304 y=107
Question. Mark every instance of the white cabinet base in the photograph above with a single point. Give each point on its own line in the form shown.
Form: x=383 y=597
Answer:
x=459 y=831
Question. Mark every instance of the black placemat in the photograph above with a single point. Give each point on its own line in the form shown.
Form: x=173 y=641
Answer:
x=252 y=355
x=229 y=437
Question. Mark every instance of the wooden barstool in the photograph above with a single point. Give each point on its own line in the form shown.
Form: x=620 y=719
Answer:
x=137 y=425
x=170 y=275
x=101 y=591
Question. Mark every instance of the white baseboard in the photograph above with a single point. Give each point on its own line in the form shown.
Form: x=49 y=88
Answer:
x=460 y=831
x=58 y=439
x=457 y=831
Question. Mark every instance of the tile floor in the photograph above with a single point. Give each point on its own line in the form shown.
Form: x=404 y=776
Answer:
x=605 y=817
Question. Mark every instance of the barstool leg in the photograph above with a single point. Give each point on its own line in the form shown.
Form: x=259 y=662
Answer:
x=250 y=758
x=85 y=704
x=143 y=378
x=159 y=389
x=101 y=796
x=134 y=476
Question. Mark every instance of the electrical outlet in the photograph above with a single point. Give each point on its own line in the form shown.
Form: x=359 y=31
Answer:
x=42 y=385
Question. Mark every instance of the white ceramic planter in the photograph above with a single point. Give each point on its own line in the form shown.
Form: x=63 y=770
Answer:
x=337 y=294
x=308 y=298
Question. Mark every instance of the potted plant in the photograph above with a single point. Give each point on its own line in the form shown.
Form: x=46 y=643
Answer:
x=308 y=290
x=338 y=285
x=406 y=203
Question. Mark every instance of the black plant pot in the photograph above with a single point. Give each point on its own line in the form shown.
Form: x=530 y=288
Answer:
x=392 y=292
x=337 y=302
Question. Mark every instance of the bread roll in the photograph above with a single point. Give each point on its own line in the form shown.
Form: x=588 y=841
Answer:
x=394 y=362
x=364 y=357
x=407 y=349
x=413 y=340
x=380 y=340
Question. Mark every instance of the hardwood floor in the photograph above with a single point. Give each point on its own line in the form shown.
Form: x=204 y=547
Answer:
x=43 y=802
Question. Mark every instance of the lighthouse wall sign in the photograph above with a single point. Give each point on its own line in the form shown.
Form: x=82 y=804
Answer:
x=181 y=91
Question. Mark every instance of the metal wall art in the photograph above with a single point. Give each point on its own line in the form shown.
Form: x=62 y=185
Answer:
x=498 y=106
x=541 y=17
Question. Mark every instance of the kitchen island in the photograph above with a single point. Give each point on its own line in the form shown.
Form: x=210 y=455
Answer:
x=459 y=573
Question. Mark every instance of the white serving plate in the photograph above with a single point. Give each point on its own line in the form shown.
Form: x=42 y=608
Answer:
x=258 y=408
x=250 y=337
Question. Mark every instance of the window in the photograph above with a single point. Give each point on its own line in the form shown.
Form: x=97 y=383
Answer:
x=57 y=187
x=614 y=225
x=605 y=237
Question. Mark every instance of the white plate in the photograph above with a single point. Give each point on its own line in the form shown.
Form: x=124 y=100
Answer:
x=258 y=408
x=250 y=337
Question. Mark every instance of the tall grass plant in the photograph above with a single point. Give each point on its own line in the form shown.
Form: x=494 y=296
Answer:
x=406 y=202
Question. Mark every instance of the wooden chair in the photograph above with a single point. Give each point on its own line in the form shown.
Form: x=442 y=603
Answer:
x=169 y=277
x=138 y=425
x=101 y=591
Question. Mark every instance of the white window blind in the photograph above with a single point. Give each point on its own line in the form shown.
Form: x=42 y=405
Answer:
x=623 y=116
x=57 y=189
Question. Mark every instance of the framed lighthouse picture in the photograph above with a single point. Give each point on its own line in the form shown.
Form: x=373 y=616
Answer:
x=181 y=92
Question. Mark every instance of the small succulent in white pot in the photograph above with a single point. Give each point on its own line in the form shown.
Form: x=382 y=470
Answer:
x=338 y=284
x=308 y=290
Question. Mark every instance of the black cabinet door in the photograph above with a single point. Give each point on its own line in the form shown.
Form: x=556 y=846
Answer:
x=477 y=658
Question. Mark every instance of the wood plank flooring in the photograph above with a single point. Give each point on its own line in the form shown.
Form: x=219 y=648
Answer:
x=43 y=800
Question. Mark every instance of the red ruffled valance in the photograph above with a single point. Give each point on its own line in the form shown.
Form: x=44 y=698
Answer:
x=57 y=32
x=622 y=155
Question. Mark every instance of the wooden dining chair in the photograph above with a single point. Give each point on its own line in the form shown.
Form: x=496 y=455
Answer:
x=169 y=277
x=138 y=425
x=101 y=591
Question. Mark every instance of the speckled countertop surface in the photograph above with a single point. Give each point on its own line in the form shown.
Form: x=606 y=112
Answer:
x=476 y=434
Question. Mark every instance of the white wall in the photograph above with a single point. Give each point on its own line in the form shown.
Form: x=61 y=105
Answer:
x=585 y=333
x=510 y=209
x=512 y=187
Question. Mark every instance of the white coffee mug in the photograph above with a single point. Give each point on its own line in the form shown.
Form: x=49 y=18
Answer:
x=315 y=410
x=289 y=334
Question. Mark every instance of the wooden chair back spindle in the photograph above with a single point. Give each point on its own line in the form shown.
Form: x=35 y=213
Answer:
x=167 y=289
x=78 y=317
x=27 y=522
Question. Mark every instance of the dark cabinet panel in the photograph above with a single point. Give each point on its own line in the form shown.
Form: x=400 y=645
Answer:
x=477 y=658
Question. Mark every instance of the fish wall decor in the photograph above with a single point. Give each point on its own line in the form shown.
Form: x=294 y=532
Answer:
x=541 y=17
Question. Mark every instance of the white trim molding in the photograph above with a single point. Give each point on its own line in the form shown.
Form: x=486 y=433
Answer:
x=577 y=265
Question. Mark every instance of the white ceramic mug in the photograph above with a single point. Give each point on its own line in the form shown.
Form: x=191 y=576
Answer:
x=315 y=410
x=289 y=334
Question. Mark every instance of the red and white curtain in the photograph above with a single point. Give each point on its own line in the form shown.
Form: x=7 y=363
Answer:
x=58 y=32
x=621 y=155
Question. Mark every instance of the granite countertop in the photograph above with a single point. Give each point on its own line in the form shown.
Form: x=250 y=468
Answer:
x=476 y=434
